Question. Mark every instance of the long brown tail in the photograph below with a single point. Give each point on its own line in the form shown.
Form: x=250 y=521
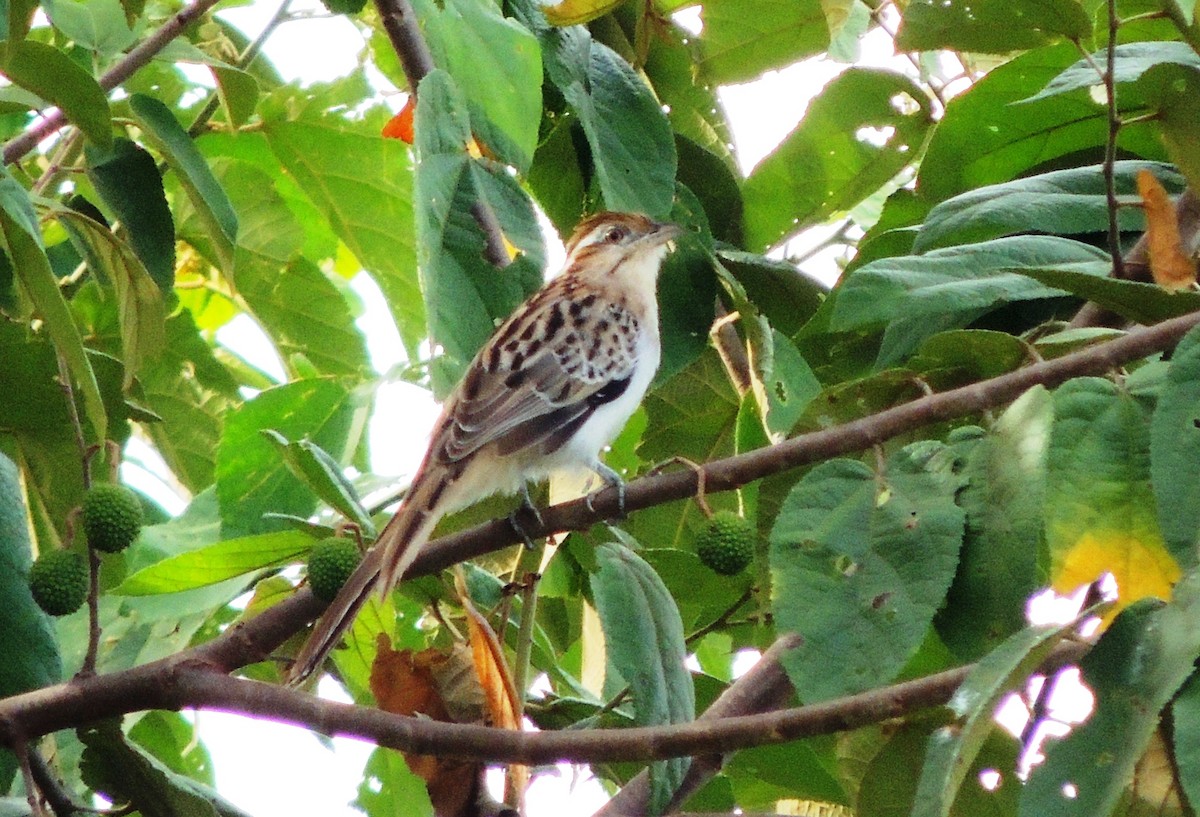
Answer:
x=383 y=566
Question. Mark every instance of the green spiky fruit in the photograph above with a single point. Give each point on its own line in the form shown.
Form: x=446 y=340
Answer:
x=344 y=6
x=329 y=565
x=726 y=544
x=59 y=581
x=112 y=517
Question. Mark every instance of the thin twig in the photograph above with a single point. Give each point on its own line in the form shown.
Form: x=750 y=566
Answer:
x=61 y=801
x=1110 y=144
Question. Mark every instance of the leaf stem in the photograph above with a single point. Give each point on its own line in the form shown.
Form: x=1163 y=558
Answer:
x=1110 y=145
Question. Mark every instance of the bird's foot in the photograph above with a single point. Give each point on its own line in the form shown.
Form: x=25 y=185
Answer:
x=526 y=506
x=613 y=480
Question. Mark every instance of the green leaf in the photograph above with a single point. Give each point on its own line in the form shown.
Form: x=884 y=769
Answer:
x=744 y=38
x=127 y=179
x=865 y=127
x=984 y=139
x=692 y=414
x=16 y=18
x=889 y=782
x=58 y=79
x=790 y=385
x=26 y=635
x=1172 y=91
x=1139 y=302
x=497 y=64
x=1100 y=507
x=797 y=770
x=953 y=749
x=209 y=200
x=238 y=92
x=1185 y=716
x=173 y=740
x=1174 y=449
x=695 y=112
x=140 y=306
x=97 y=25
x=1130 y=61
x=630 y=139
x=23 y=243
x=577 y=12
x=465 y=296
x=1139 y=663
x=362 y=184
x=1062 y=202
x=127 y=774
x=251 y=478
x=917 y=296
x=1003 y=557
x=321 y=472
x=389 y=787
x=643 y=637
x=215 y=563
x=989 y=26
x=878 y=550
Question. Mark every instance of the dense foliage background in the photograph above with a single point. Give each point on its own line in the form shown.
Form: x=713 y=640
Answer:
x=161 y=180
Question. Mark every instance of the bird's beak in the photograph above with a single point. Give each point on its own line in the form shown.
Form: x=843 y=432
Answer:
x=664 y=232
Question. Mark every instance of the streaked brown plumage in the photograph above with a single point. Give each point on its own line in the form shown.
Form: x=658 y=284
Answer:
x=548 y=391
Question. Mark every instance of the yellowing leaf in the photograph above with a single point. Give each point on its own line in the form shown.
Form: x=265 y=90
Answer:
x=575 y=12
x=1140 y=568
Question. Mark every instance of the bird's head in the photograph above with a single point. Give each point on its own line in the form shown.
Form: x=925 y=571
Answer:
x=606 y=242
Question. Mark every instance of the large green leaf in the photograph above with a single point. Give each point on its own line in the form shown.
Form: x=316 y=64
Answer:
x=989 y=26
x=1062 y=202
x=643 y=637
x=362 y=184
x=23 y=242
x=865 y=127
x=1135 y=668
x=1185 y=715
x=497 y=64
x=125 y=773
x=389 y=787
x=97 y=25
x=465 y=296
x=630 y=138
x=216 y=563
x=26 y=635
x=744 y=38
x=1130 y=61
x=860 y=562
x=1172 y=92
x=251 y=477
x=917 y=296
x=953 y=749
x=984 y=139
x=140 y=307
x=1002 y=561
x=1100 y=508
x=210 y=202
x=1174 y=449
x=127 y=179
x=1138 y=301
x=58 y=79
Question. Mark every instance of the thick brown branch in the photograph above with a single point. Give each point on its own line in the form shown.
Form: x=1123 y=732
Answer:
x=175 y=684
x=141 y=54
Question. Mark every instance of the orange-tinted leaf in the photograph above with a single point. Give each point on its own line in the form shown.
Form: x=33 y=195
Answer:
x=400 y=126
x=406 y=683
x=491 y=669
x=1170 y=265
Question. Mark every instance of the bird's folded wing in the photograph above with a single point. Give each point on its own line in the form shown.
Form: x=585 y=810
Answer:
x=554 y=390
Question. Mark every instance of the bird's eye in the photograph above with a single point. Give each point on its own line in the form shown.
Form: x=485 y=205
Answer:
x=616 y=235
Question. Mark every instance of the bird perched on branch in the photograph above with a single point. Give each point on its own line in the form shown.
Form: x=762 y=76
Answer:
x=550 y=389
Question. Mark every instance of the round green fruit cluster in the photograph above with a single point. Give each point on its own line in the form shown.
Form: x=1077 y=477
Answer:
x=726 y=544
x=330 y=564
x=112 y=517
x=59 y=581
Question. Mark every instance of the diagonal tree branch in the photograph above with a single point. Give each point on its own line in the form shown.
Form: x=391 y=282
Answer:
x=124 y=68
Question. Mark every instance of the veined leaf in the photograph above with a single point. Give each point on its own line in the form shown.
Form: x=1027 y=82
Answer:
x=55 y=77
x=216 y=563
